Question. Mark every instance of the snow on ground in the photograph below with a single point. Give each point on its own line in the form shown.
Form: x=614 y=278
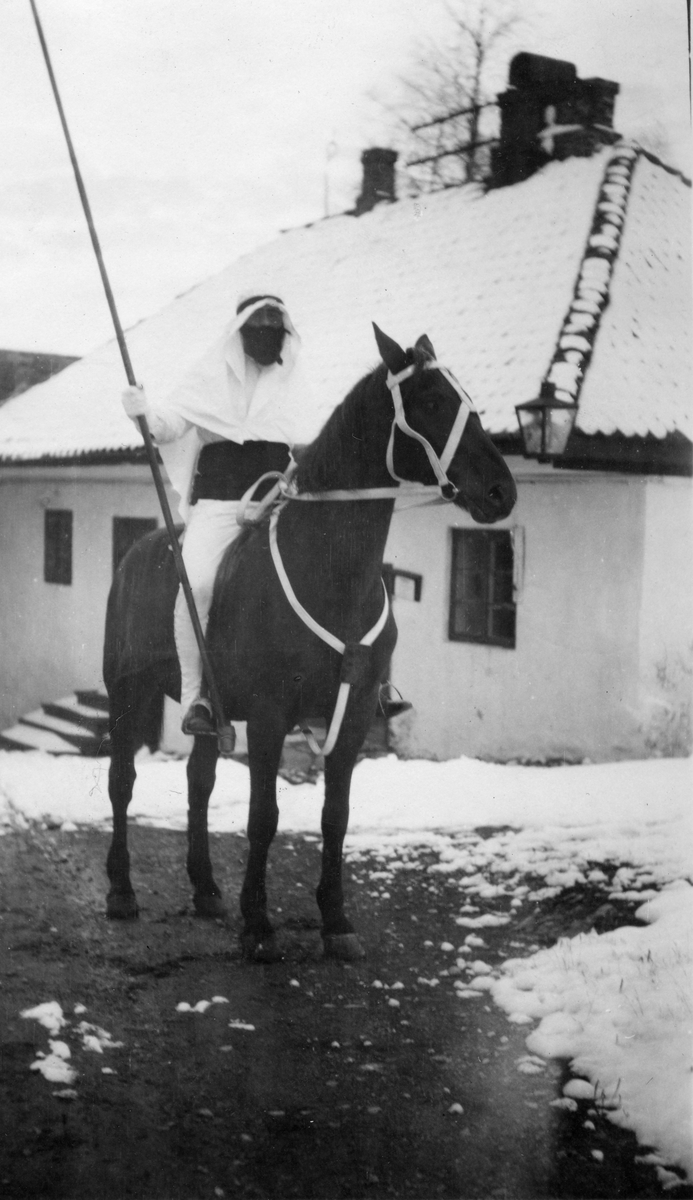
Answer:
x=388 y=794
x=55 y=1066
x=617 y=1005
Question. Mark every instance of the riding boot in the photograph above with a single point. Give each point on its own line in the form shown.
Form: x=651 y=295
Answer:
x=393 y=708
x=198 y=720
x=390 y=707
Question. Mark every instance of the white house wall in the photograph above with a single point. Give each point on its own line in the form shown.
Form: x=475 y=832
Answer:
x=666 y=621
x=601 y=666
x=51 y=635
x=571 y=688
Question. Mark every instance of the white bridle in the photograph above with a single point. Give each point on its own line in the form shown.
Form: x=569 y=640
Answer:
x=439 y=464
x=285 y=487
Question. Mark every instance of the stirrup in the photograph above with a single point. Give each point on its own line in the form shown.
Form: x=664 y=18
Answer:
x=392 y=708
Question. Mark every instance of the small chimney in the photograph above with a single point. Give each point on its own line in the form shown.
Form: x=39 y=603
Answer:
x=547 y=113
x=378 y=179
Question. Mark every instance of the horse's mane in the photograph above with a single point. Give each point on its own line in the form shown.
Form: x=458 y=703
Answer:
x=342 y=433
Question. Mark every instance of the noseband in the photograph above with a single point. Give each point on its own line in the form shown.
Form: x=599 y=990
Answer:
x=439 y=465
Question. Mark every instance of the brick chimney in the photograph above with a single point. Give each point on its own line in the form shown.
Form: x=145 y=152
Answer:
x=378 y=179
x=548 y=113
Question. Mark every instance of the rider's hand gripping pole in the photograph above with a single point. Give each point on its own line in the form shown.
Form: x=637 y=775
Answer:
x=225 y=731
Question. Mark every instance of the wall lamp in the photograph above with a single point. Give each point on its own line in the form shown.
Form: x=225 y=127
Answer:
x=545 y=424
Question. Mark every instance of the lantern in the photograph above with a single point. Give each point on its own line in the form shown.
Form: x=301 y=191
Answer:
x=546 y=424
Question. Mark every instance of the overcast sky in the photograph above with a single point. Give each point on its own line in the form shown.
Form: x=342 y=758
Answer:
x=202 y=129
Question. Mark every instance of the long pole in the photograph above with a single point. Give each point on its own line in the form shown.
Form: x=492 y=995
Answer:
x=224 y=729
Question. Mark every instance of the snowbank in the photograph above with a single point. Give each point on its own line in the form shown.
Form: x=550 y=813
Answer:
x=387 y=794
x=619 y=1006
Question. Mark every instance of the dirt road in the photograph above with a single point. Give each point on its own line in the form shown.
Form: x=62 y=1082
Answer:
x=306 y=1078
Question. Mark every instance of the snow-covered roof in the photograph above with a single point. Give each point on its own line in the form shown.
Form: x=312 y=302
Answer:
x=490 y=277
x=639 y=380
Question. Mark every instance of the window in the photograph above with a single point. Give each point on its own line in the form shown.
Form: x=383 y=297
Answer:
x=127 y=531
x=482 y=602
x=57 y=546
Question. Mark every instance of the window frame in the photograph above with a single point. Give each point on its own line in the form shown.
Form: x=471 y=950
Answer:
x=58 y=538
x=492 y=574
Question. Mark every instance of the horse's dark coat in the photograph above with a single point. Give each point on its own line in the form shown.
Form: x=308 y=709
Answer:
x=271 y=670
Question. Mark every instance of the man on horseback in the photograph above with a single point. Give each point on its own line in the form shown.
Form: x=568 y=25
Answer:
x=235 y=416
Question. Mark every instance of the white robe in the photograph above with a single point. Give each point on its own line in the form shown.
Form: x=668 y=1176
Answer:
x=217 y=396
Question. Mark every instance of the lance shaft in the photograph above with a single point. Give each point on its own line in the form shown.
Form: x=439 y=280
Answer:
x=224 y=730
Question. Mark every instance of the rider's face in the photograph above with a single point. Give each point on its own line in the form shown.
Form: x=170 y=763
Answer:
x=263 y=335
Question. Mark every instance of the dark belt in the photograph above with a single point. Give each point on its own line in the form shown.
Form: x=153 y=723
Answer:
x=225 y=470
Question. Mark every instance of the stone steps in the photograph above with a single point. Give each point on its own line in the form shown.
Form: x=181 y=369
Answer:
x=75 y=724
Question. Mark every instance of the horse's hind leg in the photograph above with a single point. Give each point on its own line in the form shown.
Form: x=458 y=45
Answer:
x=121 y=903
x=201 y=774
x=266 y=735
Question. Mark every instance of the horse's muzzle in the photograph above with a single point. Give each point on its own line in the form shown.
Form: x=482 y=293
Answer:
x=496 y=504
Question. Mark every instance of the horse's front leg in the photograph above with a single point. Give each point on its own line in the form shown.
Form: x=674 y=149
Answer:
x=266 y=733
x=201 y=775
x=339 y=938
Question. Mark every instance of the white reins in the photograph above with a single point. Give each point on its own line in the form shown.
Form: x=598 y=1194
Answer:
x=335 y=642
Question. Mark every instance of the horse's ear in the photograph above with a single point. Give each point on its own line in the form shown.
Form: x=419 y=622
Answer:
x=392 y=355
x=423 y=348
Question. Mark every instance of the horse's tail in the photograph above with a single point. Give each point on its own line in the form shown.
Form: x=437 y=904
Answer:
x=139 y=658
x=151 y=722
x=136 y=710
x=139 y=613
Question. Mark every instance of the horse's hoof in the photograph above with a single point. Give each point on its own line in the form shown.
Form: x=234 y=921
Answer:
x=344 y=946
x=122 y=906
x=260 y=950
x=210 y=907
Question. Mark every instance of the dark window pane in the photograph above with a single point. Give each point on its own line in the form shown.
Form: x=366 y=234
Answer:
x=502 y=589
x=473 y=554
x=472 y=585
x=57 y=546
x=503 y=624
x=127 y=531
x=502 y=554
x=470 y=619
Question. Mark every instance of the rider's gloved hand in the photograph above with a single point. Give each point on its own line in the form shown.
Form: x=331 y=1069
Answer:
x=135 y=402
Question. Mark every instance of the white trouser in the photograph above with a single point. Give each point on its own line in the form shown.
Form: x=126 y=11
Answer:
x=210 y=529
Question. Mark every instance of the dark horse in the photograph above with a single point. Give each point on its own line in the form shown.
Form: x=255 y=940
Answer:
x=271 y=669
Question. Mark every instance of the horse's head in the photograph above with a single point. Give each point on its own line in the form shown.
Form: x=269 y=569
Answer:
x=437 y=436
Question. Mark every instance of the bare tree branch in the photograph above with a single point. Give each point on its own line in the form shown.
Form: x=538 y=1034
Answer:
x=446 y=117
